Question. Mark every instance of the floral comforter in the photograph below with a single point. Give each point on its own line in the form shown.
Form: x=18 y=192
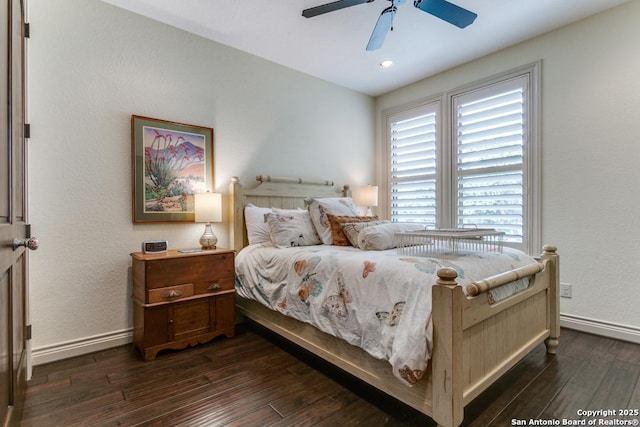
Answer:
x=377 y=300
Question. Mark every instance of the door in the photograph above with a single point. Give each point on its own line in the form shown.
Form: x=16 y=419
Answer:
x=13 y=211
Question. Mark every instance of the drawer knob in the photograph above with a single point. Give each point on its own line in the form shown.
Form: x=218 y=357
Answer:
x=172 y=294
x=214 y=287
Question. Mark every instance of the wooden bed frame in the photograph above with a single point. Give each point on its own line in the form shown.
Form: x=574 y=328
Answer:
x=474 y=342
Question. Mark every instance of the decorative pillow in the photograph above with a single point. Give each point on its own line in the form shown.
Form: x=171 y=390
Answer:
x=337 y=222
x=381 y=237
x=257 y=227
x=351 y=230
x=289 y=228
x=319 y=208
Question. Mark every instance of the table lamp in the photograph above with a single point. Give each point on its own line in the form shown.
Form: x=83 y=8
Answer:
x=368 y=197
x=208 y=208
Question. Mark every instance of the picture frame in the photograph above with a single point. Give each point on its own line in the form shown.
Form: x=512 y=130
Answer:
x=171 y=162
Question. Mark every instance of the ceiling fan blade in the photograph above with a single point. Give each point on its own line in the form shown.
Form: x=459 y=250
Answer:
x=384 y=24
x=446 y=11
x=330 y=7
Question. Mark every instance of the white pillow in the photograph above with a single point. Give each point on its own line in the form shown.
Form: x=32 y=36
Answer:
x=383 y=236
x=351 y=230
x=257 y=227
x=289 y=228
x=338 y=206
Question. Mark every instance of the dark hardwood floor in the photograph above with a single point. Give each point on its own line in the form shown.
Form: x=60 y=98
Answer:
x=255 y=379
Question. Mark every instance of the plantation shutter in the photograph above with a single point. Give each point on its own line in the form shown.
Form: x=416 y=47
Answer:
x=413 y=153
x=490 y=136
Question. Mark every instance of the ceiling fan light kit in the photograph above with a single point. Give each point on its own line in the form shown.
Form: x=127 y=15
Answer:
x=442 y=9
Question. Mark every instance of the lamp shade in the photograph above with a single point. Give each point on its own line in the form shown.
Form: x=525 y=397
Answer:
x=368 y=196
x=208 y=207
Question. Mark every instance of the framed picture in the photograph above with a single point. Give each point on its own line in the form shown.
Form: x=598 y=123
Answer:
x=171 y=162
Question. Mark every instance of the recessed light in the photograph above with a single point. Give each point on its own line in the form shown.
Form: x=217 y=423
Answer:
x=386 y=63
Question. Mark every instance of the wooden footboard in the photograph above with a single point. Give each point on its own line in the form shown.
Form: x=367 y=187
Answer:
x=475 y=342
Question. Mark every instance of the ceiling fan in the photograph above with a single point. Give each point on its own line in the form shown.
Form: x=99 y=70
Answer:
x=442 y=9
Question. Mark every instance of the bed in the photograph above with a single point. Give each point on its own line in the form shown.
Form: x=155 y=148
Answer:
x=474 y=339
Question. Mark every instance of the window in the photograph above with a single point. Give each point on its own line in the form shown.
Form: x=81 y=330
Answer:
x=469 y=159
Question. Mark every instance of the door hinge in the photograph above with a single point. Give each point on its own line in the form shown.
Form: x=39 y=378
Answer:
x=27 y=130
x=27 y=30
x=27 y=332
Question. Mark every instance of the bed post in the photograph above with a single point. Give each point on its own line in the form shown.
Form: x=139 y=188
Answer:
x=552 y=259
x=447 y=375
x=236 y=231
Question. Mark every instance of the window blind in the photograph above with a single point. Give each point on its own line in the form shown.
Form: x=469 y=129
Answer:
x=413 y=155
x=490 y=137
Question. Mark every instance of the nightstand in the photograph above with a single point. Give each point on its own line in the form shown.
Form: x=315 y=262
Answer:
x=182 y=299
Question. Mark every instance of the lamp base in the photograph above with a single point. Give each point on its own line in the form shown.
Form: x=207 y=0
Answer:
x=208 y=240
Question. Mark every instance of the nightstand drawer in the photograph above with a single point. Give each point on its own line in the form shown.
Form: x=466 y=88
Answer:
x=203 y=271
x=171 y=293
x=213 y=285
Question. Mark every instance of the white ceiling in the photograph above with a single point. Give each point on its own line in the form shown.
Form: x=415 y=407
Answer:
x=332 y=46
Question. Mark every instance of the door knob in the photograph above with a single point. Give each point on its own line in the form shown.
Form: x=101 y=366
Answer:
x=30 y=243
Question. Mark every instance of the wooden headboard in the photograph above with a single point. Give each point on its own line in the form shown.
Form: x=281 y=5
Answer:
x=274 y=192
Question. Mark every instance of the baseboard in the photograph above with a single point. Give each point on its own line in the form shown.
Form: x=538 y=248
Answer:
x=599 y=327
x=69 y=349
x=87 y=345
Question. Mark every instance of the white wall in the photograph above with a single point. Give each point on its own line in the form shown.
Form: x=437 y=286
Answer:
x=91 y=66
x=591 y=147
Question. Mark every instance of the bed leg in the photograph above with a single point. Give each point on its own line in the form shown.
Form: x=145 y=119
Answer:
x=550 y=255
x=551 y=344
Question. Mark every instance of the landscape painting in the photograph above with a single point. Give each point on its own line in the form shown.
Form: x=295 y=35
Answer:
x=172 y=162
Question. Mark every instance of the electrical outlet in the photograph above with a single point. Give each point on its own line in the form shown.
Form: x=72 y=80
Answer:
x=565 y=290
